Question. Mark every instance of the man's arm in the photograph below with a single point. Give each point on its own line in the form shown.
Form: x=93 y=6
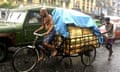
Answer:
x=40 y=28
x=101 y=25
x=109 y=29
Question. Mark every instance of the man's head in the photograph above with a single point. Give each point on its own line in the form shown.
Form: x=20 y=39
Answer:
x=43 y=12
x=107 y=20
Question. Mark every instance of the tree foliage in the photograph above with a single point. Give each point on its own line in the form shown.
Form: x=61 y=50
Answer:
x=7 y=5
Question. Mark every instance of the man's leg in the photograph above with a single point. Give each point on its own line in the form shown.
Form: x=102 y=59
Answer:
x=39 y=47
x=109 y=47
x=47 y=42
x=52 y=47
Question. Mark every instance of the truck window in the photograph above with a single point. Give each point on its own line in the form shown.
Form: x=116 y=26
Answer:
x=34 y=18
x=16 y=17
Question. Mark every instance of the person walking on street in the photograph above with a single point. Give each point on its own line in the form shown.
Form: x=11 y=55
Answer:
x=108 y=36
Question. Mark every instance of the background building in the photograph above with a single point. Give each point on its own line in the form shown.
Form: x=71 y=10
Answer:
x=116 y=5
x=95 y=7
x=104 y=6
x=2 y=1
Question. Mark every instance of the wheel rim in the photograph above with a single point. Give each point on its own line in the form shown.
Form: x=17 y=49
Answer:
x=25 y=59
x=88 y=56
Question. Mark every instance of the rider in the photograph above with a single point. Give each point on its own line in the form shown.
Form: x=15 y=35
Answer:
x=47 y=24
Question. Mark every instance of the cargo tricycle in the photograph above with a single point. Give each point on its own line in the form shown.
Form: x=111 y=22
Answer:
x=81 y=42
x=76 y=35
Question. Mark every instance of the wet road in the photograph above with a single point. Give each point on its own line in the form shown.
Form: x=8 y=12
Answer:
x=101 y=64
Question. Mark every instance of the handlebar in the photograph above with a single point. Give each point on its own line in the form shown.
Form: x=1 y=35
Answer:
x=37 y=34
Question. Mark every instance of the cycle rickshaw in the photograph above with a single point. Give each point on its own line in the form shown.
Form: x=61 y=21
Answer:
x=81 y=42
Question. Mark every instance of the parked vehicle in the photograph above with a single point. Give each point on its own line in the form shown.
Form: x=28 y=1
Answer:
x=17 y=29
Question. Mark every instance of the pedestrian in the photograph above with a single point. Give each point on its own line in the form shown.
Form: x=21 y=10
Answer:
x=108 y=36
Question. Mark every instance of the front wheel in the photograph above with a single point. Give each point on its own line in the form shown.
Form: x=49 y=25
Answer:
x=88 y=55
x=25 y=59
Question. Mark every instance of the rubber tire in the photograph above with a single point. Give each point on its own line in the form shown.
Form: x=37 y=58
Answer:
x=27 y=70
x=3 y=52
x=94 y=56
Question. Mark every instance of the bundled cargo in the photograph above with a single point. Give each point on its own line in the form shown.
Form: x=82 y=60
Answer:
x=78 y=38
x=84 y=33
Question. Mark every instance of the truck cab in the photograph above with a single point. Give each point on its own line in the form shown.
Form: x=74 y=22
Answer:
x=18 y=27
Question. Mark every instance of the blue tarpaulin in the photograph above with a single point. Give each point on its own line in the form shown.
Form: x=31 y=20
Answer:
x=62 y=17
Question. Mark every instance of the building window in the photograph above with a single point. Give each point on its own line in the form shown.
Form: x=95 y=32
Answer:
x=76 y=4
x=1 y=0
x=29 y=1
x=19 y=1
x=83 y=8
x=88 y=0
x=91 y=1
x=39 y=1
x=61 y=3
x=67 y=2
x=113 y=3
x=118 y=4
x=53 y=2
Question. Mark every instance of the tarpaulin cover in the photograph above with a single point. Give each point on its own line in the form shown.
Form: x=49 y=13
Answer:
x=62 y=17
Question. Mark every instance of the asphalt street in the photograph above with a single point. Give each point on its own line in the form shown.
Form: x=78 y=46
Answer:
x=101 y=64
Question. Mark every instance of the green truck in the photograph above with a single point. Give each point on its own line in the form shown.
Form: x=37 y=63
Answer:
x=16 y=29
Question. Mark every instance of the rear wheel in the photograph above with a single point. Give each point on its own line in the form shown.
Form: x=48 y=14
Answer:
x=3 y=52
x=25 y=59
x=88 y=56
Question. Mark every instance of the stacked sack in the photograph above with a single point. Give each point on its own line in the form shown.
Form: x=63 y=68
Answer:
x=78 y=38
